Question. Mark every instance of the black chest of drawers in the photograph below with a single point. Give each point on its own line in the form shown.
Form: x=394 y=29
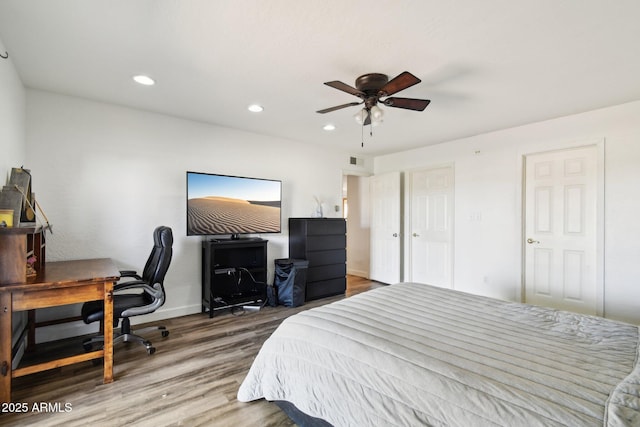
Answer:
x=321 y=241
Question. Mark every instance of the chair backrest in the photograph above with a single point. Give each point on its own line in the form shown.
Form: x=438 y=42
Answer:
x=158 y=263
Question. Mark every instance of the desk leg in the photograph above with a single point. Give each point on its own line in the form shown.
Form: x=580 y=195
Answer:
x=108 y=332
x=5 y=346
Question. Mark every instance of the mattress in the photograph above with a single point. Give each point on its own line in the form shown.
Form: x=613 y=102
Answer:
x=411 y=354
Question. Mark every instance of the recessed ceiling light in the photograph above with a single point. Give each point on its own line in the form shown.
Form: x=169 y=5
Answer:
x=255 y=108
x=329 y=126
x=144 y=80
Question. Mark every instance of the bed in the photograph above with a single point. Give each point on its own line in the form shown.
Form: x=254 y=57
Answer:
x=411 y=354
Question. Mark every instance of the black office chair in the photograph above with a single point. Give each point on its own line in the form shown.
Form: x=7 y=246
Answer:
x=149 y=297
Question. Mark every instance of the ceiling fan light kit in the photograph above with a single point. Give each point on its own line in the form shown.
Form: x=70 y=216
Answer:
x=375 y=115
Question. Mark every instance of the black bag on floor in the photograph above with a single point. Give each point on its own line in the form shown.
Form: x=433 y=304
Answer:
x=290 y=281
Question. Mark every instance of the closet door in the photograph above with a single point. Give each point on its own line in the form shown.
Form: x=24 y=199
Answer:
x=430 y=231
x=385 y=227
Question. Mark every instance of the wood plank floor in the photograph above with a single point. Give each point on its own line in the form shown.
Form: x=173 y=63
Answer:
x=191 y=380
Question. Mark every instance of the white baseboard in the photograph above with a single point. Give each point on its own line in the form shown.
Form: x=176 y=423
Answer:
x=170 y=313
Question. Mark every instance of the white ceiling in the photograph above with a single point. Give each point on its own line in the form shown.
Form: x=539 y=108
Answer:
x=485 y=65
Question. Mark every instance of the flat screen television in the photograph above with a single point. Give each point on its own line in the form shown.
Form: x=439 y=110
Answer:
x=232 y=205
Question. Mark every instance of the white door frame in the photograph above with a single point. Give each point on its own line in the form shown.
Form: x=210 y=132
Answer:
x=600 y=211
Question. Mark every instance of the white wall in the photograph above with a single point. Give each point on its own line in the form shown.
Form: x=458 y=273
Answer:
x=12 y=135
x=106 y=176
x=488 y=180
x=12 y=118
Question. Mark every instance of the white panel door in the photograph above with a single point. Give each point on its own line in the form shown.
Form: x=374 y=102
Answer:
x=385 y=227
x=561 y=264
x=431 y=226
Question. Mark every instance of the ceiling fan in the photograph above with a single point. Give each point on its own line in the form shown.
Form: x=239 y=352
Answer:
x=370 y=88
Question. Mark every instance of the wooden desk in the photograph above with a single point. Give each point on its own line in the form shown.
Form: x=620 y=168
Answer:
x=61 y=283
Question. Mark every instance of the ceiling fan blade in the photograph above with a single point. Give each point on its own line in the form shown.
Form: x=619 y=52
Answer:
x=337 y=107
x=407 y=103
x=398 y=83
x=345 y=88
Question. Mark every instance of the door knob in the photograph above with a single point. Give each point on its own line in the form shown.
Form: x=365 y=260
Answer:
x=395 y=234
x=416 y=235
x=530 y=241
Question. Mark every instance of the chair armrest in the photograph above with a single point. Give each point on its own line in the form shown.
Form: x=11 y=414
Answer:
x=135 y=284
x=156 y=292
x=130 y=273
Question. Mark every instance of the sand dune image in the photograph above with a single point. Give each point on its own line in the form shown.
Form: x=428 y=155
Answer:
x=220 y=215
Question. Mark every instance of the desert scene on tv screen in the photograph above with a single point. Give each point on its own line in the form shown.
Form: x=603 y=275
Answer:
x=223 y=215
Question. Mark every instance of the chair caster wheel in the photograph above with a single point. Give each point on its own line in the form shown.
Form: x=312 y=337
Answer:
x=165 y=334
x=87 y=347
x=151 y=350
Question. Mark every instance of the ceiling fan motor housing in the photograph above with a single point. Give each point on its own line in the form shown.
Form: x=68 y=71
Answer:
x=371 y=83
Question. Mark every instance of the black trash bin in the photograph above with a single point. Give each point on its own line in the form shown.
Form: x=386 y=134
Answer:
x=290 y=281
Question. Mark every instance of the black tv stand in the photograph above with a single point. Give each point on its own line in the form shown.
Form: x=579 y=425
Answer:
x=235 y=238
x=234 y=273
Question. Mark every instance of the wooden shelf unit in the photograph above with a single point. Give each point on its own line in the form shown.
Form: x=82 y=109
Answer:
x=16 y=245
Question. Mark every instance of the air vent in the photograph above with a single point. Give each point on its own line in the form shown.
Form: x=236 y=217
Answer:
x=356 y=161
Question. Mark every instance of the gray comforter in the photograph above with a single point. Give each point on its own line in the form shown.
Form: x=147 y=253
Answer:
x=411 y=354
